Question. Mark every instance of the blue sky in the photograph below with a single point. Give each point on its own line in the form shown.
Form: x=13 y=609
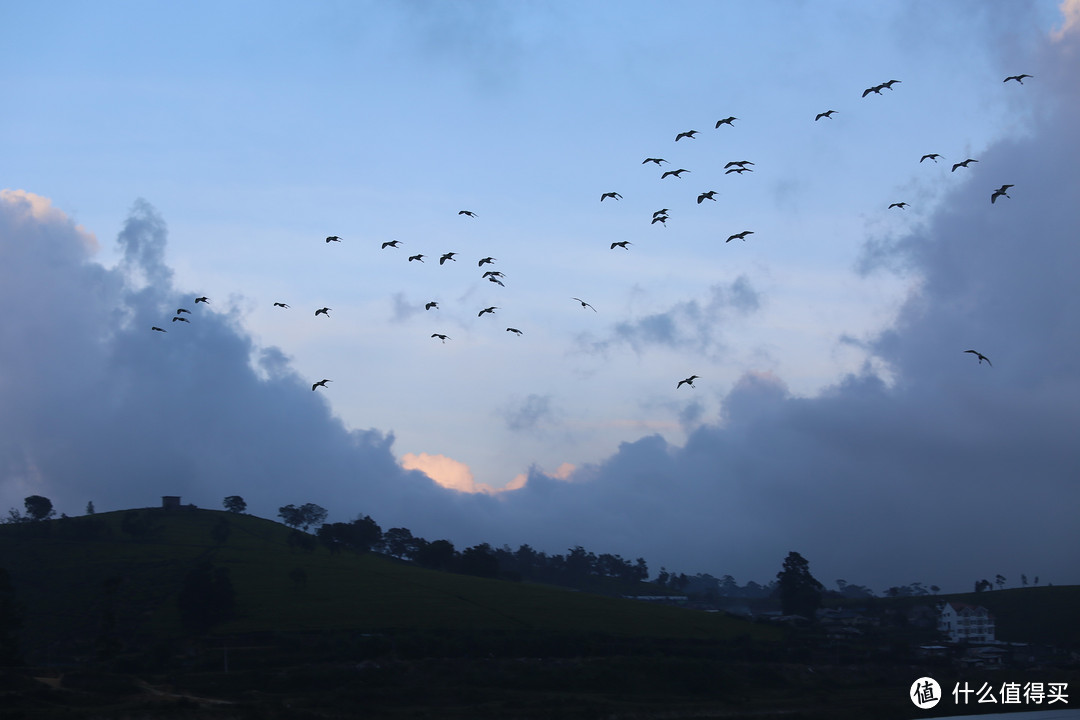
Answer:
x=208 y=149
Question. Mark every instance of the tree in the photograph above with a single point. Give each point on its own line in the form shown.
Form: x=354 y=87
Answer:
x=90 y=508
x=800 y=593
x=982 y=585
x=1023 y=580
x=235 y=504
x=1000 y=580
x=39 y=508
x=302 y=517
x=437 y=555
x=400 y=543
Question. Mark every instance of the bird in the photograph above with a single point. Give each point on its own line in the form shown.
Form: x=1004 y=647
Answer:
x=688 y=381
x=584 y=304
x=323 y=311
x=962 y=164
x=706 y=196
x=930 y=156
x=875 y=89
x=621 y=243
x=442 y=337
x=283 y=305
x=470 y=213
x=826 y=114
x=333 y=238
x=391 y=243
x=738 y=163
x=496 y=280
x=889 y=84
x=493 y=273
x=321 y=383
x=663 y=211
x=980 y=356
x=999 y=192
x=483 y=261
x=742 y=235
x=676 y=173
x=180 y=318
x=202 y=299
x=653 y=160
x=1017 y=78
x=900 y=205
x=155 y=327
x=739 y=170
x=431 y=304
x=182 y=310
x=447 y=256
x=688 y=134
x=514 y=330
x=726 y=121
x=612 y=195
x=662 y=219
x=416 y=257
x=491 y=310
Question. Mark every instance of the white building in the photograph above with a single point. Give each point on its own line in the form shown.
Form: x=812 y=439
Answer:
x=963 y=622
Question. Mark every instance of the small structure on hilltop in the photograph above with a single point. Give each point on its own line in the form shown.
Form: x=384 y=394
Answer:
x=963 y=622
x=170 y=502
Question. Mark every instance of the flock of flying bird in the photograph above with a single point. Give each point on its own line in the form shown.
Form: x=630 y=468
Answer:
x=661 y=216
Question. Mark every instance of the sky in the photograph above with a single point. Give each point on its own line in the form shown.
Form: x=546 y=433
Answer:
x=152 y=153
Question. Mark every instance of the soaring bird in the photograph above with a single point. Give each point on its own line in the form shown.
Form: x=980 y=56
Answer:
x=999 y=192
x=491 y=310
x=155 y=327
x=688 y=381
x=180 y=318
x=391 y=243
x=485 y=261
x=676 y=173
x=889 y=84
x=688 y=134
x=726 y=121
x=900 y=205
x=493 y=273
x=447 y=256
x=653 y=160
x=584 y=304
x=980 y=356
x=962 y=164
x=280 y=305
x=416 y=257
x=514 y=330
x=323 y=311
x=612 y=195
x=202 y=299
x=663 y=211
x=742 y=235
x=739 y=170
x=1017 y=78
x=321 y=383
x=496 y=280
x=182 y=310
x=431 y=304
x=826 y=114
x=930 y=156
x=738 y=163
x=875 y=89
x=706 y=196
x=442 y=337
x=662 y=219
x=621 y=243
x=333 y=238
x=470 y=213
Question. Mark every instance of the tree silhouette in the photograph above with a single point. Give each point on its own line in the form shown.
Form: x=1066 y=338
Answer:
x=302 y=517
x=235 y=504
x=39 y=508
x=90 y=508
x=800 y=593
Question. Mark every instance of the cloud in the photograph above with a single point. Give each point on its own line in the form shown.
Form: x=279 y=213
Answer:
x=529 y=413
x=1070 y=10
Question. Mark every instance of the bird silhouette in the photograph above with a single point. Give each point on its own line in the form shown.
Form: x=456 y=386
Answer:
x=663 y=211
x=621 y=243
x=711 y=195
x=875 y=89
x=202 y=299
x=493 y=273
x=333 y=238
x=980 y=356
x=742 y=235
x=584 y=304
x=496 y=280
x=662 y=219
x=889 y=84
x=155 y=327
x=738 y=163
x=653 y=160
x=688 y=134
x=391 y=243
x=416 y=257
x=826 y=114
x=739 y=170
x=485 y=261
x=514 y=330
x=1018 y=78
x=930 y=156
x=442 y=337
x=900 y=205
x=726 y=121
x=431 y=304
x=999 y=192
x=180 y=318
x=676 y=173
x=612 y=195
x=321 y=383
x=688 y=381
x=283 y=305
x=962 y=164
x=182 y=310
x=491 y=310
x=470 y=213
x=447 y=256
x=323 y=311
